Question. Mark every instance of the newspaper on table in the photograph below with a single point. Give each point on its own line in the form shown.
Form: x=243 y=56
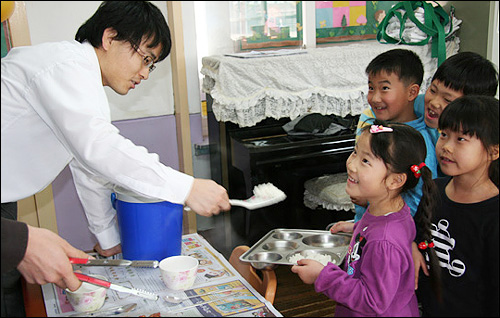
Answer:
x=214 y=274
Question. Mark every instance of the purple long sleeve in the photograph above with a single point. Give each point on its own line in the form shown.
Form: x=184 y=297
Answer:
x=379 y=275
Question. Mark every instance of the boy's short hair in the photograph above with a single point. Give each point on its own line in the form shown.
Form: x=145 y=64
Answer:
x=133 y=21
x=469 y=73
x=406 y=64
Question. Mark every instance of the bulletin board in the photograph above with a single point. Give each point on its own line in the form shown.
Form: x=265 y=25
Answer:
x=345 y=21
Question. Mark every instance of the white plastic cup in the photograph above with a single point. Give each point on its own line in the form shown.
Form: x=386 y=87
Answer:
x=179 y=272
x=88 y=297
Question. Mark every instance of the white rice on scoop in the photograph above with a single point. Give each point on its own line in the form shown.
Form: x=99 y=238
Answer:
x=322 y=258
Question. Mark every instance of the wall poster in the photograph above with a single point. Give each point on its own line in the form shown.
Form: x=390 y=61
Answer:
x=344 y=21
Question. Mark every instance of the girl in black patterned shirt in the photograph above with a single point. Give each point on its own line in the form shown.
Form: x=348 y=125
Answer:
x=465 y=224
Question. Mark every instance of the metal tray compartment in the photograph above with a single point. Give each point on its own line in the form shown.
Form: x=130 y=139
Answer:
x=277 y=246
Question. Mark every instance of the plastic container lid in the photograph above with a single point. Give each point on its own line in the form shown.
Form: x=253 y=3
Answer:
x=135 y=198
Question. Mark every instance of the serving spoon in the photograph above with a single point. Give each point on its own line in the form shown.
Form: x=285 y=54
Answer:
x=176 y=299
x=265 y=194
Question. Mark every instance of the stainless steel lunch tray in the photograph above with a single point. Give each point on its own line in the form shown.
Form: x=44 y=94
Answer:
x=277 y=246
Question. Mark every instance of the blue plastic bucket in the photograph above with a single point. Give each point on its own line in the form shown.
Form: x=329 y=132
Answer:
x=149 y=230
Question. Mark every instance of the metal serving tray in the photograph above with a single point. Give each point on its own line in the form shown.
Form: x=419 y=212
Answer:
x=277 y=246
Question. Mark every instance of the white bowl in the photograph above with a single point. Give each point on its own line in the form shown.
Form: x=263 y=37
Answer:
x=179 y=272
x=88 y=297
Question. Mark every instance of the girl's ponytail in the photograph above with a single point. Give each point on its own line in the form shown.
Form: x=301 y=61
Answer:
x=403 y=150
x=423 y=219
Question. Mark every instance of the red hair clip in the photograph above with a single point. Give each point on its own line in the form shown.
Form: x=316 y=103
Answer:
x=416 y=169
x=423 y=245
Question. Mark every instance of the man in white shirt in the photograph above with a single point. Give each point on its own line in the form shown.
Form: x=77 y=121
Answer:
x=55 y=113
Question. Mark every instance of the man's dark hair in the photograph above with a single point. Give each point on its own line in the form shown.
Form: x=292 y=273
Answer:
x=406 y=64
x=469 y=73
x=133 y=21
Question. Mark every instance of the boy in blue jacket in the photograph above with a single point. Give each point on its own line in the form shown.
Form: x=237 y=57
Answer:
x=394 y=79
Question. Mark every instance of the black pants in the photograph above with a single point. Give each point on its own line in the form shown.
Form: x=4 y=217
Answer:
x=12 y=291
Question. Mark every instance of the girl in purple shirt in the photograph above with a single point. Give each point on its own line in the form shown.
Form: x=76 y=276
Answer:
x=378 y=277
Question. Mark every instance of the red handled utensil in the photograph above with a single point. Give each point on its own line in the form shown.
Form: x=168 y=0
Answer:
x=104 y=283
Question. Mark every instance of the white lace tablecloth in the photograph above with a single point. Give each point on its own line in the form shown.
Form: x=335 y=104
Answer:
x=329 y=80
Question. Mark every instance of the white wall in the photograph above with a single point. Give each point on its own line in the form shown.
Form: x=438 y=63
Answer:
x=59 y=20
x=191 y=56
x=213 y=30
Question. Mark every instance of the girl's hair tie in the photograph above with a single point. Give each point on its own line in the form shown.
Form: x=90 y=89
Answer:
x=416 y=169
x=375 y=129
x=423 y=245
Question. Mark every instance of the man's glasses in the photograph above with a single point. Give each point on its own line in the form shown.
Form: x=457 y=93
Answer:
x=148 y=60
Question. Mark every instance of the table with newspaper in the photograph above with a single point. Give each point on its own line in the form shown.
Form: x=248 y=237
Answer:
x=214 y=274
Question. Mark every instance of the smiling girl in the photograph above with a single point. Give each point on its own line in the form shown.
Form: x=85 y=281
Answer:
x=378 y=276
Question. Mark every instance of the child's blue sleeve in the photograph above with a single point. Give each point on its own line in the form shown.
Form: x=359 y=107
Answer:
x=434 y=134
x=365 y=118
x=419 y=105
x=360 y=210
x=431 y=159
x=412 y=197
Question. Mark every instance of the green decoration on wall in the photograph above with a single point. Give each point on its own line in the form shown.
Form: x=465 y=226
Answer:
x=5 y=38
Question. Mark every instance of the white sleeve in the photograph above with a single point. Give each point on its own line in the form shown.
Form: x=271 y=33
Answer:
x=77 y=111
x=95 y=197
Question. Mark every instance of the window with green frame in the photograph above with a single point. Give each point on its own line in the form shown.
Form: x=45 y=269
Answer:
x=270 y=24
x=266 y=24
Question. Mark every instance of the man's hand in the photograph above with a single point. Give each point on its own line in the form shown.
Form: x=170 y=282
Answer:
x=342 y=226
x=46 y=259
x=207 y=198
x=109 y=252
x=308 y=270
